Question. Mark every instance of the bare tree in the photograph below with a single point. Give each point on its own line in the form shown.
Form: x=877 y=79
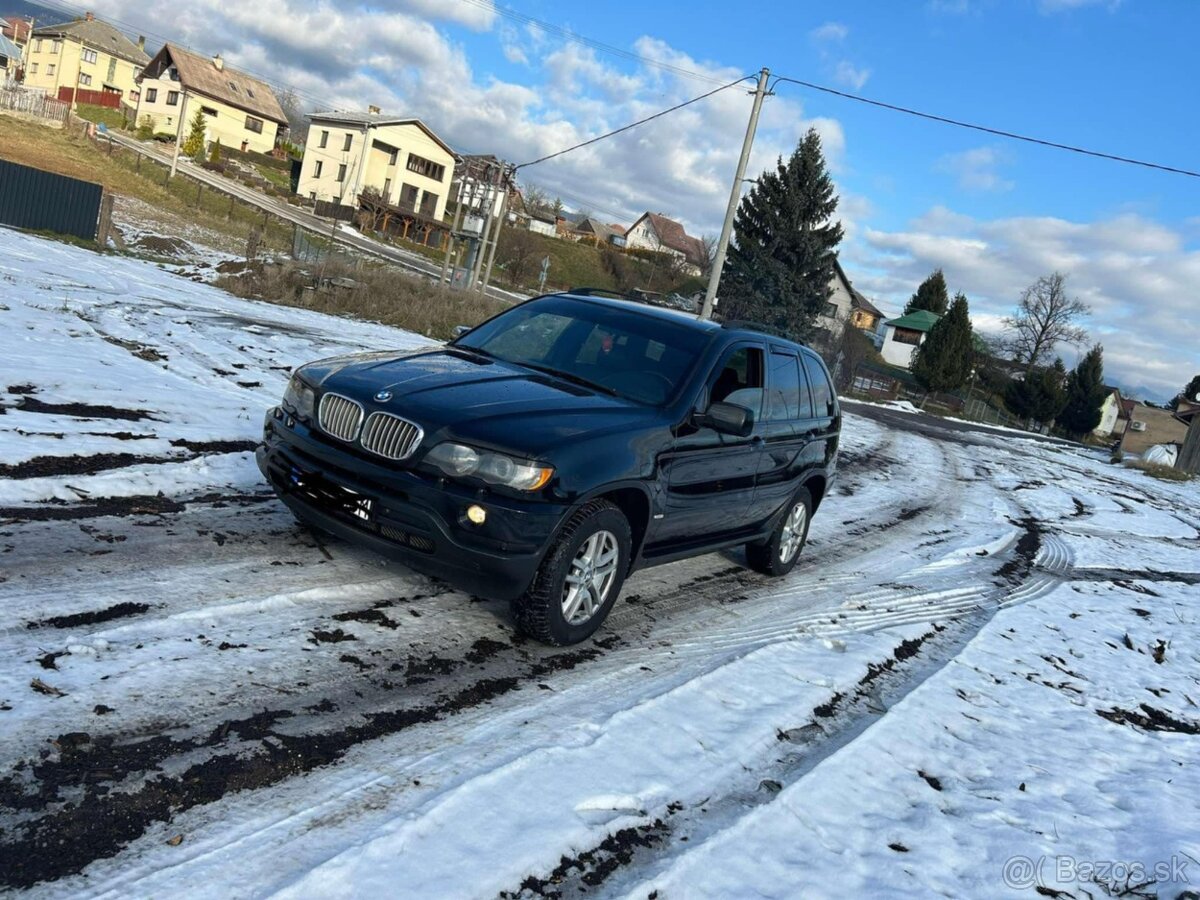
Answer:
x=536 y=199
x=709 y=244
x=1045 y=317
x=293 y=111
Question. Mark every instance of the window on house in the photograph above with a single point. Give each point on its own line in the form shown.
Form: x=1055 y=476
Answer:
x=112 y=69
x=831 y=311
x=341 y=172
x=50 y=69
x=88 y=56
x=37 y=46
x=408 y=196
x=135 y=96
x=428 y=204
x=55 y=46
x=172 y=98
x=253 y=124
x=151 y=95
x=393 y=157
x=249 y=93
x=348 y=142
x=312 y=195
x=387 y=188
x=324 y=139
x=85 y=79
x=317 y=169
x=906 y=336
x=208 y=111
x=425 y=167
x=33 y=68
x=233 y=87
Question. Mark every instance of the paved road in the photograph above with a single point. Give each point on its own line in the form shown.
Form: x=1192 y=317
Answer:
x=297 y=216
x=937 y=427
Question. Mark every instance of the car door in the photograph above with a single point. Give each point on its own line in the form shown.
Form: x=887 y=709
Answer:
x=710 y=476
x=785 y=433
x=826 y=422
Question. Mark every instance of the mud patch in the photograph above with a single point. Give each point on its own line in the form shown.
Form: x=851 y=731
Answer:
x=1017 y=569
x=94 y=617
x=214 y=447
x=1149 y=719
x=82 y=410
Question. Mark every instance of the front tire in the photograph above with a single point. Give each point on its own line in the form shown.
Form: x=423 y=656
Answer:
x=778 y=554
x=580 y=577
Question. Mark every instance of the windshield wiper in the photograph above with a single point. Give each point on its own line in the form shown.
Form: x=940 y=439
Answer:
x=574 y=379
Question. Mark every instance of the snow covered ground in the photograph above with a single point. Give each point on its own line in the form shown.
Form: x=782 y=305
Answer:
x=983 y=676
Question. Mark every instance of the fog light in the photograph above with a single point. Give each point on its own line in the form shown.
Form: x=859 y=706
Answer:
x=476 y=514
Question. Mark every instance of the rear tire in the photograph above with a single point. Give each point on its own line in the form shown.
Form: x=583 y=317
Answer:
x=580 y=577
x=778 y=554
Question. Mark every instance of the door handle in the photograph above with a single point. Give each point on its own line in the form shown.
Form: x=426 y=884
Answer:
x=757 y=442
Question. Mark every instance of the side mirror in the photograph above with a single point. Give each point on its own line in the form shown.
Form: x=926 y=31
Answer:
x=729 y=418
x=460 y=330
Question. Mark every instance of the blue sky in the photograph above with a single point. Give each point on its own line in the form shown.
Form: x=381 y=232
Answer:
x=1115 y=76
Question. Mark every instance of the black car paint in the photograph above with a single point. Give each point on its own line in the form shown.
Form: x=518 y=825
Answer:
x=686 y=487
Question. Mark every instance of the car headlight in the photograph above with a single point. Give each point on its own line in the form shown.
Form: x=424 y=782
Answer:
x=458 y=460
x=299 y=398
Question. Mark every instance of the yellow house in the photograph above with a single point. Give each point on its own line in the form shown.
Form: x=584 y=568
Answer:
x=239 y=110
x=84 y=54
x=345 y=153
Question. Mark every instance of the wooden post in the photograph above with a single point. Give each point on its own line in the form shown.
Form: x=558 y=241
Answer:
x=104 y=230
x=137 y=166
x=229 y=215
x=199 y=191
x=1189 y=453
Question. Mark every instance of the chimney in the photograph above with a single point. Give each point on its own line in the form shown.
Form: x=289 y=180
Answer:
x=218 y=62
x=373 y=110
x=90 y=16
x=142 y=42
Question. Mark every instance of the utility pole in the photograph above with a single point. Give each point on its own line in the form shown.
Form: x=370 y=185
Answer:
x=735 y=196
x=504 y=182
x=183 y=96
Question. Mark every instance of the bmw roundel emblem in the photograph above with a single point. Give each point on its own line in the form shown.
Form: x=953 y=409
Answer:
x=383 y=396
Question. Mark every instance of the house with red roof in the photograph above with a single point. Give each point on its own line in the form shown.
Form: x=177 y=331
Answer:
x=654 y=231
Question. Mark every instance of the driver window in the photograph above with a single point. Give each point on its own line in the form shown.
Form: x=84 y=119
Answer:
x=739 y=380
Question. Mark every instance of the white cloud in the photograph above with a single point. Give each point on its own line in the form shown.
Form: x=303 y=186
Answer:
x=976 y=169
x=830 y=32
x=1136 y=274
x=851 y=75
x=1049 y=7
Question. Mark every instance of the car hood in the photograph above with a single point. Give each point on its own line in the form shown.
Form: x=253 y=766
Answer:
x=456 y=395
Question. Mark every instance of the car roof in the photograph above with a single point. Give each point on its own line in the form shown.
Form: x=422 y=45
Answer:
x=733 y=330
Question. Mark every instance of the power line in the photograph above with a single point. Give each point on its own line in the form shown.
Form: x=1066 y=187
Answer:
x=567 y=34
x=987 y=130
x=631 y=125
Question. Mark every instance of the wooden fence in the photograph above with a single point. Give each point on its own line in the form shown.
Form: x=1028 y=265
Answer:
x=34 y=103
x=109 y=99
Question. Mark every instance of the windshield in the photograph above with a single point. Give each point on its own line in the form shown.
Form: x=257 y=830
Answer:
x=639 y=357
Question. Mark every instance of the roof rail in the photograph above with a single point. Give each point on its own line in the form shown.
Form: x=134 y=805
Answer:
x=596 y=292
x=771 y=330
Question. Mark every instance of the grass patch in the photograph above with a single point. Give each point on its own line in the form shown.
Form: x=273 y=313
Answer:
x=68 y=152
x=382 y=294
x=1159 y=471
x=101 y=115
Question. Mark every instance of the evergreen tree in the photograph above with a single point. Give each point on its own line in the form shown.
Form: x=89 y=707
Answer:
x=943 y=362
x=780 y=270
x=215 y=155
x=1040 y=397
x=1085 y=394
x=931 y=295
x=193 y=144
x=1191 y=391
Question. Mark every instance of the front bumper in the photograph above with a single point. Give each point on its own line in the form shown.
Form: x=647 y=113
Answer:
x=416 y=519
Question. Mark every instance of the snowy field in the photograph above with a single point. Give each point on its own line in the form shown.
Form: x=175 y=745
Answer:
x=981 y=679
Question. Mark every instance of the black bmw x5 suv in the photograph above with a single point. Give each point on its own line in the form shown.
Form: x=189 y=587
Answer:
x=544 y=455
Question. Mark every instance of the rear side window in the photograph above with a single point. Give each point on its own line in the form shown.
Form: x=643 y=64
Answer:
x=785 y=387
x=822 y=390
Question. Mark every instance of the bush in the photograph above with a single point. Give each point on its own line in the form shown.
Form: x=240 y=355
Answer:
x=164 y=136
x=1158 y=470
x=145 y=130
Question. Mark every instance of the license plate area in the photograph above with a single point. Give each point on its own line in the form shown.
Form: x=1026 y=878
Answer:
x=332 y=497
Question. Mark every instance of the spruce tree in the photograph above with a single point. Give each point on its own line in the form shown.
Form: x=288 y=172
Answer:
x=214 y=155
x=193 y=144
x=1085 y=394
x=780 y=271
x=931 y=295
x=1040 y=396
x=943 y=362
